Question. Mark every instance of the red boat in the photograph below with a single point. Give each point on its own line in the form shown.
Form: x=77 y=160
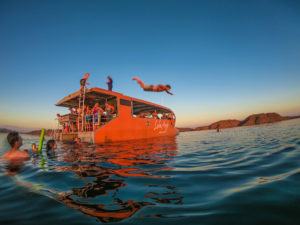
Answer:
x=119 y=118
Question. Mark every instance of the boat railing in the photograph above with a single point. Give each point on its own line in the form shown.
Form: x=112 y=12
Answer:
x=71 y=123
x=95 y=121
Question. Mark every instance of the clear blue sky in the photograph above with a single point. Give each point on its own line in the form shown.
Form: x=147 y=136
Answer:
x=224 y=59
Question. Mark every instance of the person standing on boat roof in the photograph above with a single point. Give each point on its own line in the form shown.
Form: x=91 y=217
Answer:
x=83 y=81
x=154 y=88
x=109 y=83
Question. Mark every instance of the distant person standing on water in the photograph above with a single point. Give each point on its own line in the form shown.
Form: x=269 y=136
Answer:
x=154 y=88
x=109 y=83
x=15 y=154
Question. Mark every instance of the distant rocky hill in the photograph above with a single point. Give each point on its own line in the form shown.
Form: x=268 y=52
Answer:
x=48 y=132
x=185 y=129
x=221 y=125
x=251 y=120
x=5 y=130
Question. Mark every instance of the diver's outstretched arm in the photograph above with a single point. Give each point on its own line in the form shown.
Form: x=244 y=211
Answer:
x=169 y=92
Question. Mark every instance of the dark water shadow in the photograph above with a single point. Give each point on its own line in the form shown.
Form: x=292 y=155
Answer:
x=110 y=166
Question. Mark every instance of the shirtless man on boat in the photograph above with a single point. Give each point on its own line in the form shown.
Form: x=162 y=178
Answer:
x=154 y=88
x=83 y=81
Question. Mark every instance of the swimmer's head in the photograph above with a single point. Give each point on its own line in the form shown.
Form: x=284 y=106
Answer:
x=168 y=86
x=34 y=147
x=51 y=145
x=14 y=139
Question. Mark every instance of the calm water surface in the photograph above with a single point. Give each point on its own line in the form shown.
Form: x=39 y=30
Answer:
x=238 y=176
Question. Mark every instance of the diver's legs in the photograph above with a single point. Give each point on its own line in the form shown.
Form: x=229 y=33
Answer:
x=139 y=81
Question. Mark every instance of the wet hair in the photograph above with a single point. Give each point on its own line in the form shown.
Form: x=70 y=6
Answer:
x=12 y=138
x=168 y=86
x=50 y=144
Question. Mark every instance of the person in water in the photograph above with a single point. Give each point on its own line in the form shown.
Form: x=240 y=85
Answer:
x=15 y=154
x=34 y=148
x=109 y=83
x=51 y=145
x=50 y=148
x=154 y=88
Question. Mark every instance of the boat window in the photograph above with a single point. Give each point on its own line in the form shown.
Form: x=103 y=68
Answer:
x=125 y=102
x=143 y=110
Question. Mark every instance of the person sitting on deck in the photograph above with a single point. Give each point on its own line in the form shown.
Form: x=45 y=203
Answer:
x=97 y=113
x=154 y=114
x=109 y=83
x=79 y=111
x=109 y=109
x=66 y=128
x=15 y=155
x=88 y=118
x=154 y=88
x=72 y=110
x=142 y=115
x=77 y=141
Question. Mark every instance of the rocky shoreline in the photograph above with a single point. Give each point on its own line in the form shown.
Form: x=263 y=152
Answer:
x=255 y=119
x=251 y=120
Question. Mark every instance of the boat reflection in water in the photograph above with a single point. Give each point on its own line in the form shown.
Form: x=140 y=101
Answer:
x=113 y=172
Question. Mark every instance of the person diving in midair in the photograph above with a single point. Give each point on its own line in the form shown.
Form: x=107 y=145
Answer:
x=154 y=88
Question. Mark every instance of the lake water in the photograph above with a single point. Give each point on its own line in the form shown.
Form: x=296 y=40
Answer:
x=248 y=175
